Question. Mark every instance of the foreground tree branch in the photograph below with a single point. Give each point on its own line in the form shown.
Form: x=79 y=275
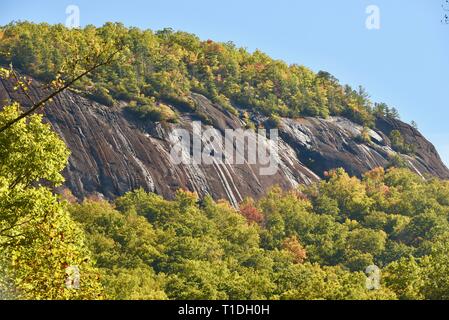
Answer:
x=42 y=102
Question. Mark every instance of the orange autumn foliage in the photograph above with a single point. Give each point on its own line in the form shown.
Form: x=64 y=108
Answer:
x=250 y=212
x=293 y=246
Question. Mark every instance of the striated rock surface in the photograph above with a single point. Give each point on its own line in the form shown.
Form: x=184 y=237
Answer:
x=113 y=151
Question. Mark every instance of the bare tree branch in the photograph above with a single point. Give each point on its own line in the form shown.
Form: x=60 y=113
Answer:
x=42 y=102
x=22 y=87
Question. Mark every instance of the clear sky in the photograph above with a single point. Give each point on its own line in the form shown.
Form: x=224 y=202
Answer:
x=405 y=63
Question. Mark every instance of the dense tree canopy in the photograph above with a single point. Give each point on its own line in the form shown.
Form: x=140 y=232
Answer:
x=166 y=66
x=311 y=243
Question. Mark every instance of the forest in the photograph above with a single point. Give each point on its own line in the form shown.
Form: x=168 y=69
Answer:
x=165 y=66
x=314 y=242
x=311 y=243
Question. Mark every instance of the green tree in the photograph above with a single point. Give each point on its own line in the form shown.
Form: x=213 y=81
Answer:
x=125 y=247
x=38 y=238
x=168 y=66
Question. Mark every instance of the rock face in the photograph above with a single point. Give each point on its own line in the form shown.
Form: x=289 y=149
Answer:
x=113 y=151
x=322 y=144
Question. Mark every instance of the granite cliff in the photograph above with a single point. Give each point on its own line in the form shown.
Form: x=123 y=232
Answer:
x=113 y=151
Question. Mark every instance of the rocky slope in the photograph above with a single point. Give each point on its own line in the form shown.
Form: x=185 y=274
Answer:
x=113 y=151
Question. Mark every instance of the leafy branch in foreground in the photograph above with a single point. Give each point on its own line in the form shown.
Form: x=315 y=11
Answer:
x=58 y=83
x=39 y=241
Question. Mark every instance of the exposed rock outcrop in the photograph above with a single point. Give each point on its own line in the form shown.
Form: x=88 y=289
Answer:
x=113 y=151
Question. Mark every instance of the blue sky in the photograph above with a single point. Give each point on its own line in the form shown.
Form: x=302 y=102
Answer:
x=405 y=63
